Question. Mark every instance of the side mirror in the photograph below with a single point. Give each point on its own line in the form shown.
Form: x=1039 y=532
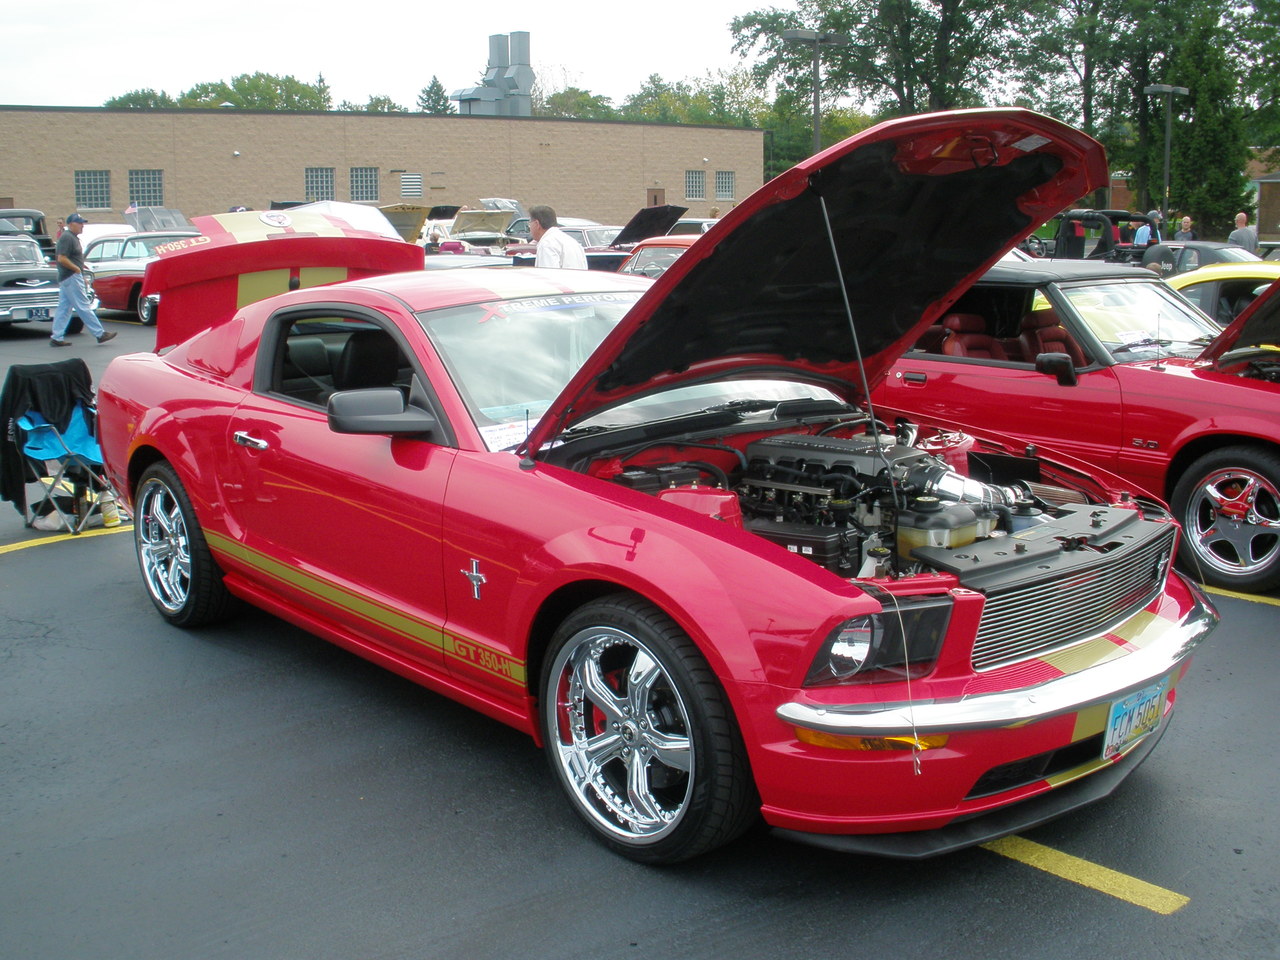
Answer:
x=378 y=410
x=1058 y=365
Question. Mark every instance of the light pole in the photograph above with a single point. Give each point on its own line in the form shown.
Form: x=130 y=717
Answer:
x=1169 y=93
x=818 y=39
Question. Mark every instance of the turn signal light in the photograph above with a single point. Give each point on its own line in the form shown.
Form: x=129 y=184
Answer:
x=837 y=741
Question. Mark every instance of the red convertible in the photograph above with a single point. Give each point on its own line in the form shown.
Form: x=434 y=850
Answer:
x=656 y=525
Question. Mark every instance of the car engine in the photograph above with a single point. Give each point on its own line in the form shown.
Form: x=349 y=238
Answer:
x=879 y=506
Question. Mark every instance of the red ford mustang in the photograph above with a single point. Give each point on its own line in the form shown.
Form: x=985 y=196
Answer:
x=656 y=527
x=1136 y=382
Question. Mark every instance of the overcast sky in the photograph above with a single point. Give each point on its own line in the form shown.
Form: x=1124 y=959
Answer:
x=81 y=54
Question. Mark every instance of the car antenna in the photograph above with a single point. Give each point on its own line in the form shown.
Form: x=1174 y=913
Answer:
x=857 y=348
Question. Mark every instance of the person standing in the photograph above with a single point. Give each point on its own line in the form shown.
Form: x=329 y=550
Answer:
x=1244 y=235
x=555 y=247
x=1185 y=232
x=1148 y=233
x=72 y=297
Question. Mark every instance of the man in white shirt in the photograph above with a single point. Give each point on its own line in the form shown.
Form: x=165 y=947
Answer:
x=555 y=247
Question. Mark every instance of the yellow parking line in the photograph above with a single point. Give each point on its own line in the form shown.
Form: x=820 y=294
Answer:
x=1086 y=874
x=1275 y=602
x=10 y=548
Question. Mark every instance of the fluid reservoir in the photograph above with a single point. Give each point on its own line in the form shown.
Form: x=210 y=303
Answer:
x=930 y=522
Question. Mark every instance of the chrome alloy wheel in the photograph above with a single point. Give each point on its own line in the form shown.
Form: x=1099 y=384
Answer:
x=1232 y=521
x=623 y=745
x=164 y=549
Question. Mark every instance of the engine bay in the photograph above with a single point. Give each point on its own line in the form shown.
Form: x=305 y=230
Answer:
x=878 y=503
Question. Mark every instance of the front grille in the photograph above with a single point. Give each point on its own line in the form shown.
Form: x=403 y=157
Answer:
x=1010 y=776
x=10 y=299
x=1033 y=619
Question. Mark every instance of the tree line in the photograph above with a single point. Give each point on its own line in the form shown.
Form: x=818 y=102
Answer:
x=1087 y=62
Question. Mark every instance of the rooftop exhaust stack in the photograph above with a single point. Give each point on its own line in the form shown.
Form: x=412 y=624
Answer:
x=507 y=87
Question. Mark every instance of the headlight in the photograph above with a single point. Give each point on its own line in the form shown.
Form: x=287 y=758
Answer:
x=902 y=640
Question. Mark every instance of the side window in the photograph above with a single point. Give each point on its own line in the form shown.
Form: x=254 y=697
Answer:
x=318 y=356
x=107 y=250
x=134 y=249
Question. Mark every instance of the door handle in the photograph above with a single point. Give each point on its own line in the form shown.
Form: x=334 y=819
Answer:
x=915 y=377
x=246 y=440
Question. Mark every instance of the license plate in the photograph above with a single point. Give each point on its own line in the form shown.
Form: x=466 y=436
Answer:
x=1134 y=717
x=32 y=313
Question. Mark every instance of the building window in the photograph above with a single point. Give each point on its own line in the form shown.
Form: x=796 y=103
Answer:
x=317 y=183
x=724 y=184
x=146 y=188
x=695 y=184
x=93 y=189
x=411 y=185
x=364 y=184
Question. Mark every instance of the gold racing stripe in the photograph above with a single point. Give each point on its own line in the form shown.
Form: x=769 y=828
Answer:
x=461 y=649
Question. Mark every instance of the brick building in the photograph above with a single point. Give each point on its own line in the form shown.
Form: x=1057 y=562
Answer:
x=98 y=161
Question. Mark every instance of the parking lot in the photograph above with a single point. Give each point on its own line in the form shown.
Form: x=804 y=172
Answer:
x=250 y=791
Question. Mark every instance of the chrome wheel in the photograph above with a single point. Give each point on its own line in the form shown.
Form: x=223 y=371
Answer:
x=164 y=552
x=1229 y=505
x=640 y=736
x=180 y=574
x=623 y=735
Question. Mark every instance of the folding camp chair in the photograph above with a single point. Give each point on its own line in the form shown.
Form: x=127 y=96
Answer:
x=68 y=461
x=48 y=418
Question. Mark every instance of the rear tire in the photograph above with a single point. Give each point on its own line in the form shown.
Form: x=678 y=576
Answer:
x=180 y=574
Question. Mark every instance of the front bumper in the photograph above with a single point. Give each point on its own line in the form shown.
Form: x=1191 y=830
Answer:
x=962 y=832
x=1066 y=694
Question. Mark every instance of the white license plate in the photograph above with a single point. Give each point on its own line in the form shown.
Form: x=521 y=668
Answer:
x=1134 y=717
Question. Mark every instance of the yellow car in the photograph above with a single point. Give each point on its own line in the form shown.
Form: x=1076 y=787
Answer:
x=1223 y=290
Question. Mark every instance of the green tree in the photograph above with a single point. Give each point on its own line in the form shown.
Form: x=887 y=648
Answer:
x=375 y=104
x=434 y=100
x=146 y=99
x=1207 y=178
x=573 y=103
x=259 y=91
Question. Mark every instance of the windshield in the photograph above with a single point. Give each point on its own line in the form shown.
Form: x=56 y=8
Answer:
x=1140 y=321
x=19 y=251
x=510 y=359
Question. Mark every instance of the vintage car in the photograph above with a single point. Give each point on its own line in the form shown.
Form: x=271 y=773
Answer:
x=1224 y=290
x=1107 y=363
x=29 y=284
x=655 y=524
x=654 y=256
x=28 y=223
x=118 y=265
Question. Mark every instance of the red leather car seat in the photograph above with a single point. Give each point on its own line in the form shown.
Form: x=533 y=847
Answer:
x=967 y=337
x=1043 y=333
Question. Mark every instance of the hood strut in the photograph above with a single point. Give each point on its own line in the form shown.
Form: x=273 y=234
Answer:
x=857 y=348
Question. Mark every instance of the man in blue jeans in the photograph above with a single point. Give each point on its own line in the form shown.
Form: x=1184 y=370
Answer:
x=72 y=298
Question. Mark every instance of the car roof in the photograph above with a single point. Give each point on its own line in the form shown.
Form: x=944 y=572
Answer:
x=1058 y=271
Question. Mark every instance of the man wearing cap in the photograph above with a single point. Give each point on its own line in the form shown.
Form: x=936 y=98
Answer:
x=1149 y=232
x=72 y=298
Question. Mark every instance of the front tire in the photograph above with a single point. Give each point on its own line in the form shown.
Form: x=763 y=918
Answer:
x=640 y=734
x=180 y=574
x=1228 y=502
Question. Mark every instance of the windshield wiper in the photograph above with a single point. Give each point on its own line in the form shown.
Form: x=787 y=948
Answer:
x=741 y=406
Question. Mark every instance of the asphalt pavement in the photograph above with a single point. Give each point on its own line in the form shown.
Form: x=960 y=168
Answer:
x=252 y=792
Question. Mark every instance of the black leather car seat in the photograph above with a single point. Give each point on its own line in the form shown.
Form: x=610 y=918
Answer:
x=370 y=358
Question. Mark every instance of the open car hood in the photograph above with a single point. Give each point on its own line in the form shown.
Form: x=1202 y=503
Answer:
x=649 y=222
x=918 y=208
x=1259 y=324
x=480 y=221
